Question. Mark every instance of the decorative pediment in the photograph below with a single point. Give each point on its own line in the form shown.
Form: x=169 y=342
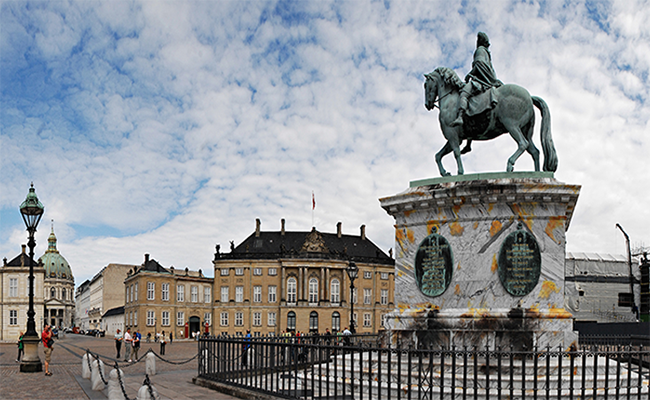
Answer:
x=314 y=243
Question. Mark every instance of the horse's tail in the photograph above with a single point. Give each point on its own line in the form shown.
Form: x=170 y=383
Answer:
x=550 y=155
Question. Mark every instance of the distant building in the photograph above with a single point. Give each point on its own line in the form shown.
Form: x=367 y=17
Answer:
x=59 y=286
x=103 y=292
x=593 y=284
x=113 y=320
x=297 y=281
x=14 y=296
x=166 y=299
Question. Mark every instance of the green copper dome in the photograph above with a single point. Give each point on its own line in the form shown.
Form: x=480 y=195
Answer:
x=56 y=266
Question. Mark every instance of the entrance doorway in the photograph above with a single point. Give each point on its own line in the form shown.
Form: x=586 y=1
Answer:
x=195 y=325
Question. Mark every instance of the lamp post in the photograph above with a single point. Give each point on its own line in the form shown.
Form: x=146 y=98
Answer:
x=353 y=272
x=32 y=211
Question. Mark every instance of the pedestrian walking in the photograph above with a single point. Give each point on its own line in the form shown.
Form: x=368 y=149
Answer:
x=128 y=343
x=136 y=344
x=21 y=347
x=118 y=342
x=171 y=337
x=48 y=343
x=163 y=342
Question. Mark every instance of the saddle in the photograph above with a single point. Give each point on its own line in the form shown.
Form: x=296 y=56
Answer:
x=479 y=103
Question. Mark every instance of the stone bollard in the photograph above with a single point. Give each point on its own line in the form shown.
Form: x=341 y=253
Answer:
x=114 y=387
x=96 y=378
x=150 y=364
x=85 y=369
x=143 y=393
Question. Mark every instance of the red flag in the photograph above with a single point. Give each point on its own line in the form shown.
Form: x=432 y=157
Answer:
x=313 y=201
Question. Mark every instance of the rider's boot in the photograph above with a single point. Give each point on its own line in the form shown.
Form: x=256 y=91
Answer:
x=462 y=107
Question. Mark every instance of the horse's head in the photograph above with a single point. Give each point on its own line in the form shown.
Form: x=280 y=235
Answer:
x=430 y=90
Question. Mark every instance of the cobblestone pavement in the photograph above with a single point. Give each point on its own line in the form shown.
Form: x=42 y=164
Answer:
x=172 y=381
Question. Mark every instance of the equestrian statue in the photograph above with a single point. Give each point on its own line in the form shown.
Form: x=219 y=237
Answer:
x=483 y=108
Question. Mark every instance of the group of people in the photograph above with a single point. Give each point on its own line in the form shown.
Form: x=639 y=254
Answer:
x=132 y=343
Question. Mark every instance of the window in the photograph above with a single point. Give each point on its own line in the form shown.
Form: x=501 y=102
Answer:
x=136 y=291
x=335 y=296
x=180 y=293
x=13 y=287
x=383 y=320
x=150 y=318
x=63 y=293
x=384 y=297
x=224 y=319
x=271 y=319
x=131 y=293
x=194 y=294
x=13 y=317
x=239 y=319
x=207 y=318
x=52 y=293
x=291 y=290
x=367 y=275
x=272 y=294
x=273 y=271
x=257 y=294
x=207 y=294
x=128 y=293
x=366 y=320
x=151 y=290
x=239 y=294
x=257 y=319
x=225 y=271
x=384 y=275
x=180 y=318
x=131 y=318
x=239 y=271
x=224 y=294
x=367 y=296
x=354 y=295
x=164 y=295
x=291 y=320
x=257 y=271
x=336 y=321
x=313 y=291
x=354 y=318
x=165 y=318
x=135 y=318
x=313 y=321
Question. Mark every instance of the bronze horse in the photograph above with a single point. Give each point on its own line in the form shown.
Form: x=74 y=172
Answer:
x=513 y=113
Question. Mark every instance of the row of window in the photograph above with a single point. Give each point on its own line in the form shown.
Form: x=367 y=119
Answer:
x=292 y=286
x=132 y=293
x=274 y=271
x=13 y=290
x=132 y=318
x=271 y=319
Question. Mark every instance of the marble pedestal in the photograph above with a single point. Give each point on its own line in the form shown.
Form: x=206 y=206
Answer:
x=30 y=361
x=471 y=304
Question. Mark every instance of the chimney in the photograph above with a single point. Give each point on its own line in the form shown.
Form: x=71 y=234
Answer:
x=258 y=225
x=363 y=232
x=338 y=229
x=146 y=259
x=23 y=246
x=282 y=226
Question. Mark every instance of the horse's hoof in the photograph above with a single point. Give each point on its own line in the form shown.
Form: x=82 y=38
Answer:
x=445 y=174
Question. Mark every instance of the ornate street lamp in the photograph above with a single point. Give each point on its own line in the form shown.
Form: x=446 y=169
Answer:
x=353 y=272
x=32 y=211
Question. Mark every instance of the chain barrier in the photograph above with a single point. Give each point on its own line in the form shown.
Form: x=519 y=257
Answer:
x=148 y=383
x=119 y=378
x=173 y=362
x=101 y=375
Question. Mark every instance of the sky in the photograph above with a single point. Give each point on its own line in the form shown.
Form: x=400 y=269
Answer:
x=169 y=127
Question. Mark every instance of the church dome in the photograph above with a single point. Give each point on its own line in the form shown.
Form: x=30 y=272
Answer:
x=56 y=266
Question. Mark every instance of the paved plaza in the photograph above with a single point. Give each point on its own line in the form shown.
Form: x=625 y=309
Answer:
x=171 y=381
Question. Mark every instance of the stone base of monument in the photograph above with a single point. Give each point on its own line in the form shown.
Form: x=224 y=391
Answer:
x=480 y=261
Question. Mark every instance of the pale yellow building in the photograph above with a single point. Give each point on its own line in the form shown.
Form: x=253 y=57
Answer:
x=160 y=299
x=14 y=296
x=297 y=281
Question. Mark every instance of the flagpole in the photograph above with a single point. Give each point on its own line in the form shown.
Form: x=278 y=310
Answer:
x=313 y=207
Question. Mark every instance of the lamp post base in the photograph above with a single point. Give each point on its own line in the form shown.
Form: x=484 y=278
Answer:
x=31 y=362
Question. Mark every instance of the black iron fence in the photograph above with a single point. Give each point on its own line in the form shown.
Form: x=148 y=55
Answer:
x=333 y=369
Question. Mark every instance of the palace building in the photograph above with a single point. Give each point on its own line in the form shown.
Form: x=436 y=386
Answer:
x=297 y=281
x=167 y=299
x=14 y=295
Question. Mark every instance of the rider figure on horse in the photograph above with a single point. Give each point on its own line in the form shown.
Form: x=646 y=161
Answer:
x=481 y=78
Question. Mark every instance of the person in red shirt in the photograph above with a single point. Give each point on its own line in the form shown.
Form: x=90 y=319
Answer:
x=47 y=345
